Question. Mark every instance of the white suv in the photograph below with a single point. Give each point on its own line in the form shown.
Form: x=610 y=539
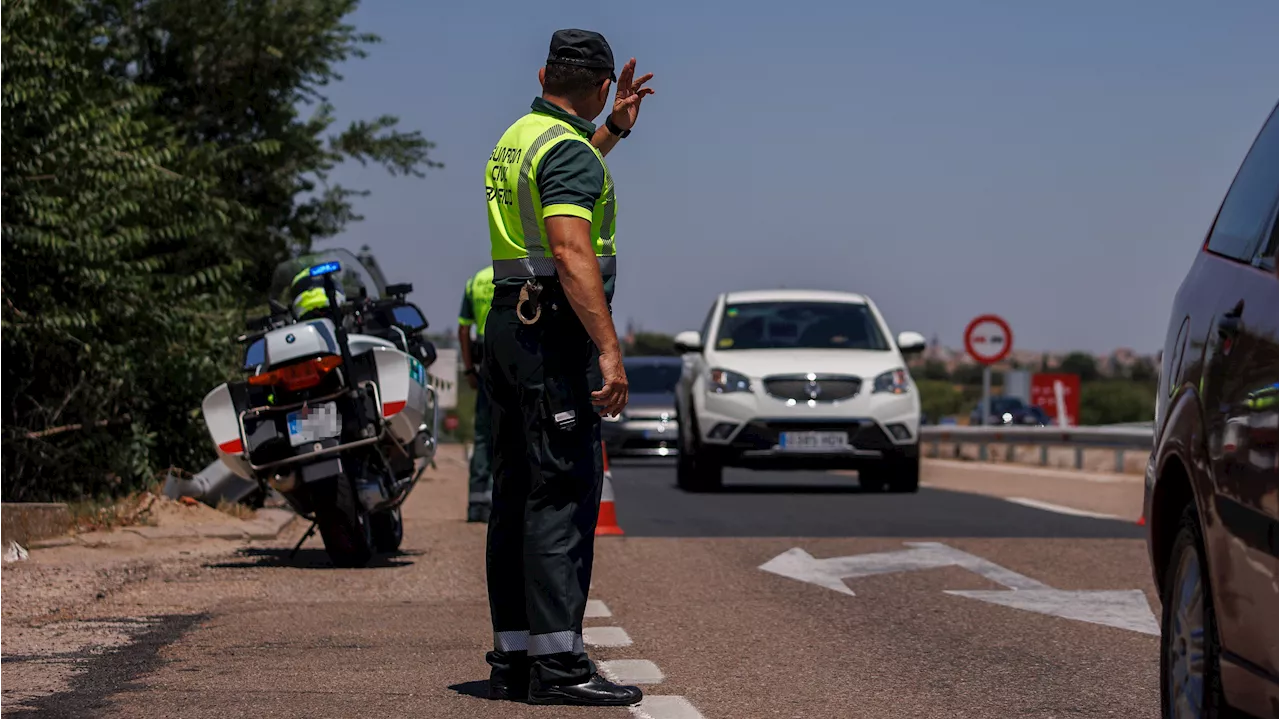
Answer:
x=789 y=379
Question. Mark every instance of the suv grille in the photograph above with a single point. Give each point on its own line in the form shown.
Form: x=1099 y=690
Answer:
x=821 y=388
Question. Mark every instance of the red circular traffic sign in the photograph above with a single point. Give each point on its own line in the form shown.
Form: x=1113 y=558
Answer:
x=988 y=339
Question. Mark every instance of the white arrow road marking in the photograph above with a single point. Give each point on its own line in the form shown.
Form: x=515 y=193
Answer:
x=606 y=637
x=830 y=573
x=665 y=707
x=631 y=671
x=1121 y=609
x=1046 y=506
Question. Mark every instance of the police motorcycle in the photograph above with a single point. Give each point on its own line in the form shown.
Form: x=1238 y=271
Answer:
x=335 y=412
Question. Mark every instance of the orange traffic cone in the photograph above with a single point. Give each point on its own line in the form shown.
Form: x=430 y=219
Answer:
x=608 y=522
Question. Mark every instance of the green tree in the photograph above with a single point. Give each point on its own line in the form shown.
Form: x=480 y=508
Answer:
x=249 y=76
x=1116 y=401
x=940 y=398
x=652 y=344
x=968 y=374
x=1143 y=370
x=935 y=370
x=116 y=264
x=1082 y=364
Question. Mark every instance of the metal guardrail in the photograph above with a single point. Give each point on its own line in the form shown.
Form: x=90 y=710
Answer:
x=1119 y=438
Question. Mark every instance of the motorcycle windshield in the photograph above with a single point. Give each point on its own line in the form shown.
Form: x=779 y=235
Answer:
x=351 y=278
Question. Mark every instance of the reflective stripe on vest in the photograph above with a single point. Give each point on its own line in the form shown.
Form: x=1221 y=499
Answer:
x=516 y=225
x=544 y=267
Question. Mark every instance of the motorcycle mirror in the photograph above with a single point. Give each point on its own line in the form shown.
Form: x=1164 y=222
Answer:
x=403 y=288
x=410 y=317
x=276 y=307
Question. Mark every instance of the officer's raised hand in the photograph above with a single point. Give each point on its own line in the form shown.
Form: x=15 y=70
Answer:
x=631 y=92
x=612 y=395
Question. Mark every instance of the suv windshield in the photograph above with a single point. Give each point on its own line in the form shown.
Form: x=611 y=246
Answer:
x=799 y=325
x=652 y=378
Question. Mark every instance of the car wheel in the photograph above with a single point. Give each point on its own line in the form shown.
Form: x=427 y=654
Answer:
x=695 y=472
x=1190 y=683
x=904 y=475
x=873 y=479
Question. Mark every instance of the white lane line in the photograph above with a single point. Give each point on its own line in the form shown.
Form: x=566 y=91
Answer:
x=665 y=707
x=606 y=637
x=631 y=671
x=597 y=609
x=1037 y=504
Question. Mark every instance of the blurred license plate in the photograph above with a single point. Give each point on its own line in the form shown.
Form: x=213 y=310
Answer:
x=310 y=424
x=813 y=441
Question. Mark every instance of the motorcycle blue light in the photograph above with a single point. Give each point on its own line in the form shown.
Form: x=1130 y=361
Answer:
x=325 y=269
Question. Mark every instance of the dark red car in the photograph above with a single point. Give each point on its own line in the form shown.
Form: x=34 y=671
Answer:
x=1211 y=484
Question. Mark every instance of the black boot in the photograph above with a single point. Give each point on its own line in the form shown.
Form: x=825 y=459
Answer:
x=596 y=691
x=511 y=682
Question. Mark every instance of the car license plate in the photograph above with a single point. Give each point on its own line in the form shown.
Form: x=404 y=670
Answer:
x=310 y=424
x=813 y=441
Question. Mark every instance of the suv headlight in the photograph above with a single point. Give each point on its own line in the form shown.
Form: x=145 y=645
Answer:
x=894 y=381
x=724 y=381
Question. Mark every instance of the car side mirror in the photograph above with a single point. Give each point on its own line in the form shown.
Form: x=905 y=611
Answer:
x=910 y=342
x=688 y=342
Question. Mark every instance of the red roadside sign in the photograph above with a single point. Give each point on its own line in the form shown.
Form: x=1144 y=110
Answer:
x=1045 y=396
x=988 y=339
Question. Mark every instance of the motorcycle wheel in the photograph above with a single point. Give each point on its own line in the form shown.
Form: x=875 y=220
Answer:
x=343 y=527
x=387 y=529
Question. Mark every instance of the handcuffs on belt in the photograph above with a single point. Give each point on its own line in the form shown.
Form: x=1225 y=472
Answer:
x=529 y=294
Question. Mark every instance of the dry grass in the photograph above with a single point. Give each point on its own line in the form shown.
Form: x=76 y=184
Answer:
x=90 y=515
x=235 y=509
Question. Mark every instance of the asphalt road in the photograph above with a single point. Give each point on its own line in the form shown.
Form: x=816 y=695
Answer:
x=969 y=605
x=817 y=504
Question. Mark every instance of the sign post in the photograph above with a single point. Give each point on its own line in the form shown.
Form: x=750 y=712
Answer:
x=988 y=340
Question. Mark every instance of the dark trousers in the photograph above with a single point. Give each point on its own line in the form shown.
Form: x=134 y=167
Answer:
x=546 y=496
x=480 y=484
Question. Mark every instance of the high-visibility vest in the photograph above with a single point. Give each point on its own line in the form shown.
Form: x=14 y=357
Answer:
x=517 y=230
x=480 y=294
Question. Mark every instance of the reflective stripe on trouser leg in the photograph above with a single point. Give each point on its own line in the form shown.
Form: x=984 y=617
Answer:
x=517 y=641
x=555 y=643
x=524 y=194
x=480 y=497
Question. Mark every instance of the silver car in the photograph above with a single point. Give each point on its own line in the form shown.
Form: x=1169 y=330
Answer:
x=647 y=427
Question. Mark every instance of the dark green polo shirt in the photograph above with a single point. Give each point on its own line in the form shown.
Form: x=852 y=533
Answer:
x=569 y=173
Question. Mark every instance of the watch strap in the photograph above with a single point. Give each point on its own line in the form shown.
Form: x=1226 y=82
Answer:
x=613 y=128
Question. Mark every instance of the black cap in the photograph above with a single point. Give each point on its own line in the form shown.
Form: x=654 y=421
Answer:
x=583 y=48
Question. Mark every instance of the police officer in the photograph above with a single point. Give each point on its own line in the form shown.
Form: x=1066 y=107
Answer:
x=549 y=341
x=476 y=299
x=309 y=298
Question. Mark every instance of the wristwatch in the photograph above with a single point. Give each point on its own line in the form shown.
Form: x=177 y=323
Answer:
x=621 y=133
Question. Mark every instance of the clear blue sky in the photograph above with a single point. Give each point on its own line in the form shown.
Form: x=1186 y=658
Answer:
x=1056 y=163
